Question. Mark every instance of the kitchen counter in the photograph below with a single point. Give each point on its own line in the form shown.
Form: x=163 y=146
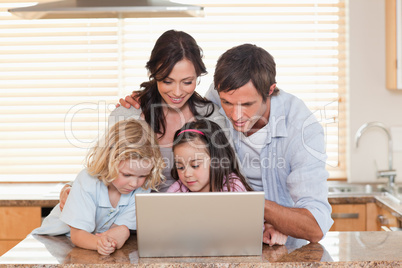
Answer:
x=383 y=200
x=363 y=249
x=336 y=249
x=387 y=202
x=29 y=194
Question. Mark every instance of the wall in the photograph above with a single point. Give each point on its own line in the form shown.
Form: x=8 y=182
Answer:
x=369 y=100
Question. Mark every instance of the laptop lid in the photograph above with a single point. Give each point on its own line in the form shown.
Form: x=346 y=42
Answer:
x=199 y=224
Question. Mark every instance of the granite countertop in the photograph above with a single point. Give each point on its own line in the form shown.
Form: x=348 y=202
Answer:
x=388 y=202
x=383 y=200
x=336 y=249
x=30 y=194
x=363 y=249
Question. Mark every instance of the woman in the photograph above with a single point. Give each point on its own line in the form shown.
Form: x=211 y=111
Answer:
x=168 y=99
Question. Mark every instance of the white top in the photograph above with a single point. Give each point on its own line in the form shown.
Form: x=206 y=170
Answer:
x=249 y=151
x=88 y=208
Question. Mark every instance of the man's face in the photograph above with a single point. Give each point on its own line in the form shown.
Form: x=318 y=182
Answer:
x=245 y=108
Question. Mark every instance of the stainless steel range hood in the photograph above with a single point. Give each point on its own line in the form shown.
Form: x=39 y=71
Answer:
x=107 y=9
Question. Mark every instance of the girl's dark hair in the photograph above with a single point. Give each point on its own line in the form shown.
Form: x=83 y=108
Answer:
x=221 y=153
x=170 y=48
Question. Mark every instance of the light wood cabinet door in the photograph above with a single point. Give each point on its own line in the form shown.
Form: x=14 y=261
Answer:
x=385 y=218
x=378 y=217
x=349 y=217
x=372 y=211
x=6 y=245
x=392 y=52
x=16 y=223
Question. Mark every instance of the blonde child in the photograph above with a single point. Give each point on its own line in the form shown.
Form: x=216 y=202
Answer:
x=100 y=209
x=204 y=160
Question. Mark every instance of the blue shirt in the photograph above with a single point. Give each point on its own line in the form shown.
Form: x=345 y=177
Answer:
x=88 y=208
x=293 y=160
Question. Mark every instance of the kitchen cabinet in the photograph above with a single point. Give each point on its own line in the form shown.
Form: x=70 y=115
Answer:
x=372 y=210
x=362 y=217
x=393 y=40
x=349 y=217
x=16 y=223
x=379 y=217
x=385 y=218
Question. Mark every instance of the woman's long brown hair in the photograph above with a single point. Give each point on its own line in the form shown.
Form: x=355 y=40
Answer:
x=170 y=48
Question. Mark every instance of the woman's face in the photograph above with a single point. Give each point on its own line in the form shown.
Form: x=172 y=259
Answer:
x=180 y=84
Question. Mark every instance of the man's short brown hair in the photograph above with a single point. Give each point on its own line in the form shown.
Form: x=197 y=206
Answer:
x=244 y=63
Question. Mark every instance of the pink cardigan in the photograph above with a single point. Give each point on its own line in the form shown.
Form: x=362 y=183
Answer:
x=235 y=183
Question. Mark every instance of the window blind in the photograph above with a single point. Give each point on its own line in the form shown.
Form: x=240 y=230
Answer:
x=60 y=79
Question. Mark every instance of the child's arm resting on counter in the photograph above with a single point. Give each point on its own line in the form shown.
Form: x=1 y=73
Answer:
x=120 y=233
x=105 y=243
x=83 y=239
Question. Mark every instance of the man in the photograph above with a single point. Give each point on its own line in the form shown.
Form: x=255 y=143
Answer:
x=279 y=142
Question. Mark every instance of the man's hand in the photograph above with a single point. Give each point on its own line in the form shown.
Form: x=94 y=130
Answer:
x=272 y=236
x=130 y=100
x=65 y=191
x=106 y=245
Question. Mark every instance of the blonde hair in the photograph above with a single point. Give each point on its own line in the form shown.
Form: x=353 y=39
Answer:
x=127 y=139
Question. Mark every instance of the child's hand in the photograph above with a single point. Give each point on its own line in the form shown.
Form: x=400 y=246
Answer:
x=272 y=236
x=106 y=245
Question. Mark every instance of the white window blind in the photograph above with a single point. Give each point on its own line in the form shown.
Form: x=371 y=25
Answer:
x=61 y=78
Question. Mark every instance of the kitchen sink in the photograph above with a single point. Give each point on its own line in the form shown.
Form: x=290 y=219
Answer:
x=335 y=187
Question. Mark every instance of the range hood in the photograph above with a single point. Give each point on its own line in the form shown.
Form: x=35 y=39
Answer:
x=107 y=9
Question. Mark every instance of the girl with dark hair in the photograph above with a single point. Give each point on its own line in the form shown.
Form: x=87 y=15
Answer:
x=204 y=160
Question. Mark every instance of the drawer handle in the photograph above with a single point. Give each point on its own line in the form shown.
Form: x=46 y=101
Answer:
x=345 y=215
x=383 y=220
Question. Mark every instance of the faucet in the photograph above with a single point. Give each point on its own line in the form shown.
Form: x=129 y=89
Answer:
x=390 y=173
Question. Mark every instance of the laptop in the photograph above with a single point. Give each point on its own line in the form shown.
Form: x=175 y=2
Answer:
x=199 y=224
